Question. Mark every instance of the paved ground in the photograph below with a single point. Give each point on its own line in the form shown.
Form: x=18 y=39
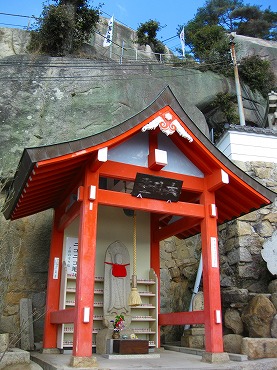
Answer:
x=31 y=366
x=169 y=360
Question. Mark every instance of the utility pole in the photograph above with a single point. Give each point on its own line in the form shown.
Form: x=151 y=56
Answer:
x=238 y=89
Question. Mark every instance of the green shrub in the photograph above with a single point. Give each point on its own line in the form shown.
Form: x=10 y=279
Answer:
x=63 y=28
x=147 y=35
x=257 y=74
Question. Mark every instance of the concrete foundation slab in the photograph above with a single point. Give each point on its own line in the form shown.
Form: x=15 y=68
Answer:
x=169 y=360
x=129 y=357
x=80 y=362
x=237 y=357
x=50 y=350
x=218 y=358
x=199 y=352
x=30 y=366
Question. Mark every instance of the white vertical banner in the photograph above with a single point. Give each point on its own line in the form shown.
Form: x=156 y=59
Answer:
x=182 y=40
x=71 y=255
x=109 y=34
x=56 y=268
x=214 y=252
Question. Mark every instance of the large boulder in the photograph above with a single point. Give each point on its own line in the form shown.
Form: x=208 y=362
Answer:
x=232 y=343
x=259 y=347
x=235 y=296
x=232 y=320
x=274 y=327
x=258 y=316
x=248 y=46
x=273 y=299
x=272 y=287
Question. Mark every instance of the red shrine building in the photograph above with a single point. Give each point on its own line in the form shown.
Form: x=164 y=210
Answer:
x=158 y=164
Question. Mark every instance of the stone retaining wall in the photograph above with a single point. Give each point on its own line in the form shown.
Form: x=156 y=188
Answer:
x=24 y=248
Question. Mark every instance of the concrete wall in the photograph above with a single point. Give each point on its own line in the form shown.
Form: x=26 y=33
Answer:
x=249 y=147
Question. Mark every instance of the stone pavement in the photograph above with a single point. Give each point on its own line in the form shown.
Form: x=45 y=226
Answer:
x=169 y=360
x=30 y=366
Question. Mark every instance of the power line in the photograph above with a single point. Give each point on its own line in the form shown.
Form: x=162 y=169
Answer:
x=20 y=15
x=14 y=25
x=172 y=37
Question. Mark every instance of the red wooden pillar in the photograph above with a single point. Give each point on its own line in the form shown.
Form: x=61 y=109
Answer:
x=84 y=299
x=155 y=258
x=53 y=284
x=211 y=277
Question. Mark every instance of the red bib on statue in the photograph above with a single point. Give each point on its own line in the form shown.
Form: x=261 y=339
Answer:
x=118 y=270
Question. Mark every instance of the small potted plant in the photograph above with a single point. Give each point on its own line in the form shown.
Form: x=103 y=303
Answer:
x=118 y=325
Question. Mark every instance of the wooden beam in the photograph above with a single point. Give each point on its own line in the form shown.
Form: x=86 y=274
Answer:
x=100 y=158
x=40 y=189
x=181 y=318
x=69 y=215
x=128 y=172
x=153 y=139
x=247 y=200
x=53 y=284
x=157 y=159
x=124 y=200
x=211 y=278
x=84 y=297
x=65 y=316
x=177 y=227
x=216 y=180
x=58 y=163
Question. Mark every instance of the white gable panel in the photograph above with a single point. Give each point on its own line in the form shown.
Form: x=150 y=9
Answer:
x=177 y=161
x=133 y=151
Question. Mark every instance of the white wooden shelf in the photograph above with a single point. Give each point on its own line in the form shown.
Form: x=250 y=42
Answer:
x=146 y=281
x=96 y=291
x=70 y=303
x=142 y=306
x=143 y=331
x=99 y=278
x=143 y=318
x=147 y=294
x=144 y=321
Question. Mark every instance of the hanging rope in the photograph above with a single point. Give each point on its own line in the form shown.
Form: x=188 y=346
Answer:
x=134 y=297
x=135 y=245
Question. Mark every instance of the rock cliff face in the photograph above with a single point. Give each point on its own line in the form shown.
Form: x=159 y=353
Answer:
x=248 y=46
x=49 y=100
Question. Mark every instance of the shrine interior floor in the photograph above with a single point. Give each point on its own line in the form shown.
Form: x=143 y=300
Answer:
x=170 y=359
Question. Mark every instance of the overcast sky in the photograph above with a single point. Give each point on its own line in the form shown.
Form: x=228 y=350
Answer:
x=131 y=13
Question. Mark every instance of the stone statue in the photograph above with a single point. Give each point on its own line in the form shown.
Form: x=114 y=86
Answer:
x=116 y=292
x=116 y=284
